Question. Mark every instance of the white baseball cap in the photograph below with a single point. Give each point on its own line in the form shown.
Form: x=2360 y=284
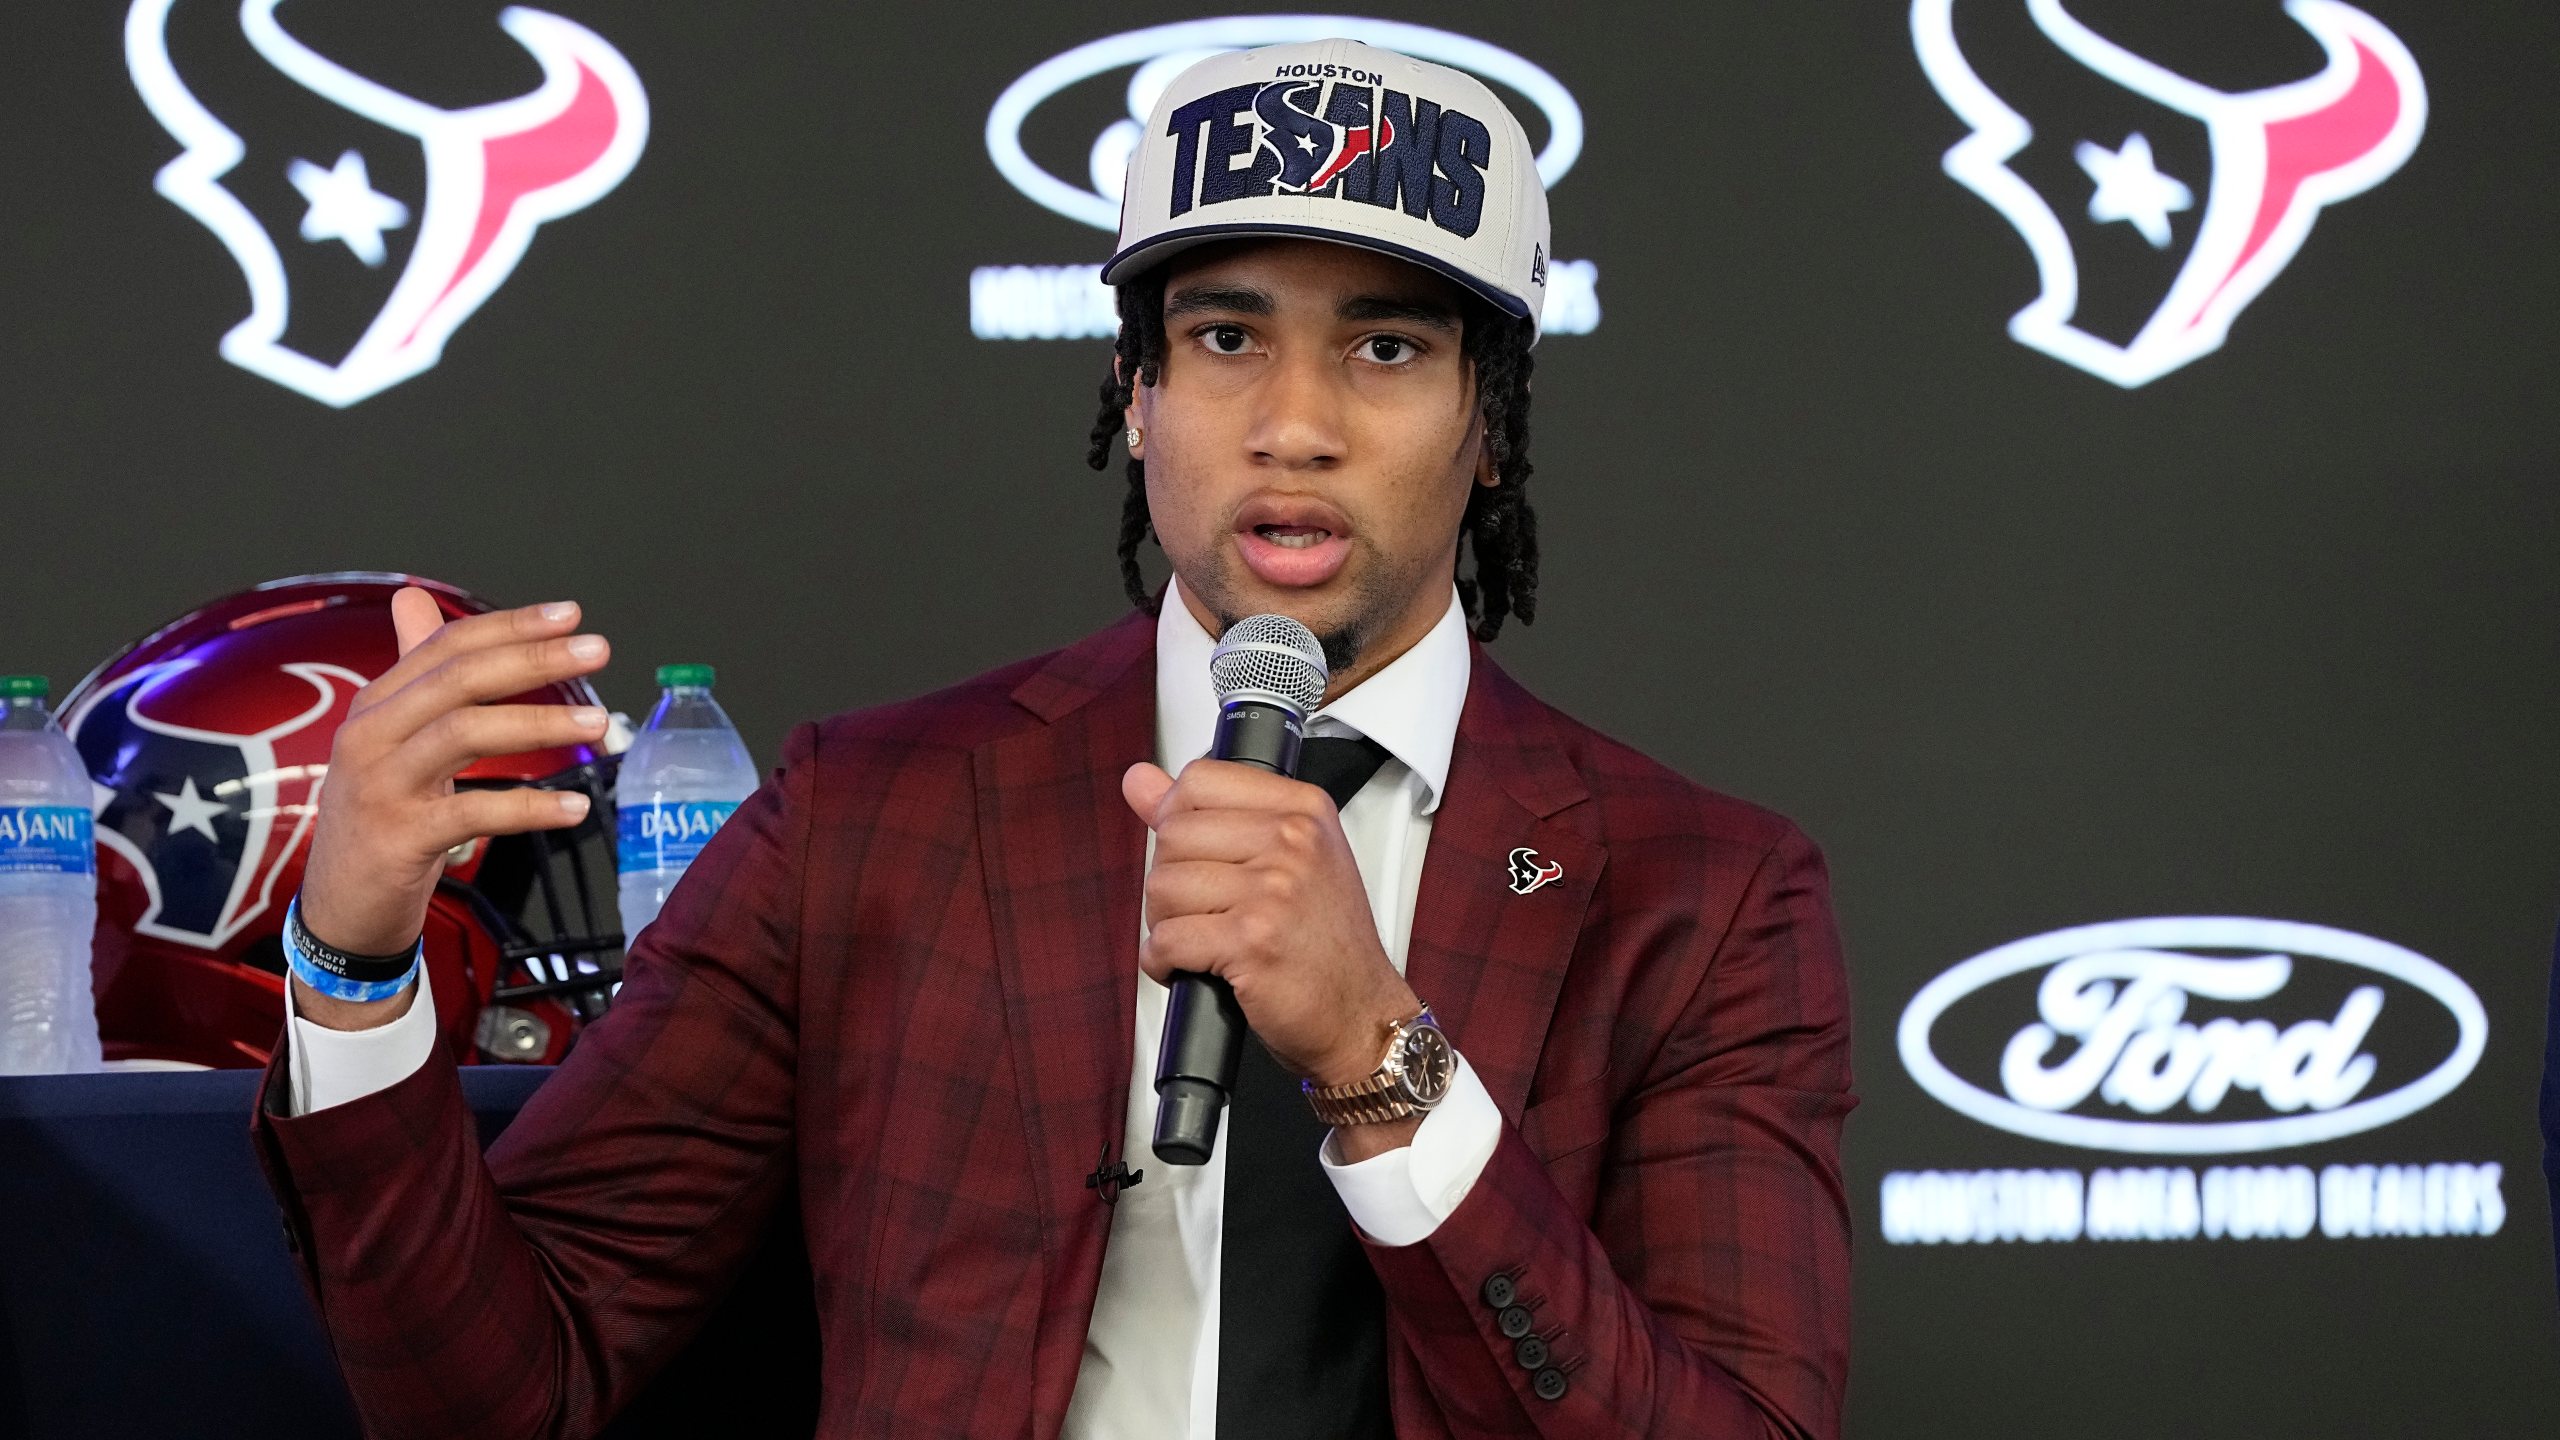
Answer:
x=1341 y=141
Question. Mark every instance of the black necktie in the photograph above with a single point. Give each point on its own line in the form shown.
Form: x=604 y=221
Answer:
x=1302 y=1325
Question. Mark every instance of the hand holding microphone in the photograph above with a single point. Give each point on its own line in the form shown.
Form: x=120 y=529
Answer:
x=1255 y=907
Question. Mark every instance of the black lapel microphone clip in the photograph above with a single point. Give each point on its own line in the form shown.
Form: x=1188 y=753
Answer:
x=1110 y=1177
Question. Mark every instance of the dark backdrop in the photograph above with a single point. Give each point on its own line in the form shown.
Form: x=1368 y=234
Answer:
x=2272 y=635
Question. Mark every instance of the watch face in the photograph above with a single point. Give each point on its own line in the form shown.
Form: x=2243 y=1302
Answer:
x=1428 y=1065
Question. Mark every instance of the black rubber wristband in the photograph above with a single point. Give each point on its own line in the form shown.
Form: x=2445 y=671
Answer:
x=346 y=964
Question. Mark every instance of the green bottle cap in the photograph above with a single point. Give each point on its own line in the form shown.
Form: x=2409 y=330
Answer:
x=670 y=676
x=16 y=687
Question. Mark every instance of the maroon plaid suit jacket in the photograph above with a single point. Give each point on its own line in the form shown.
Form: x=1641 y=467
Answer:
x=902 y=978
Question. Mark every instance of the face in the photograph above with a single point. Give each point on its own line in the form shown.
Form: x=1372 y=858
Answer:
x=1310 y=442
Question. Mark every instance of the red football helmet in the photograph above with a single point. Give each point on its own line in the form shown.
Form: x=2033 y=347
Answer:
x=208 y=743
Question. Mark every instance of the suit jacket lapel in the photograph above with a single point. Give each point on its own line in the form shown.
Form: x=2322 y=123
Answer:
x=1063 y=862
x=1490 y=960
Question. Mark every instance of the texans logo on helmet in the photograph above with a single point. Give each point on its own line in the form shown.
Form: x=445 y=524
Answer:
x=1530 y=871
x=1343 y=137
x=2157 y=207
x=352 y=289
x=205 y=817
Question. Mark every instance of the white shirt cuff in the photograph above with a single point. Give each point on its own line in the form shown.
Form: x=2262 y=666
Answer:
x=325 y=1067
x=1400 y=1197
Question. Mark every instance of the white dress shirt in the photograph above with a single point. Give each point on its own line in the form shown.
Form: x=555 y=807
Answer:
x=1150 y=1364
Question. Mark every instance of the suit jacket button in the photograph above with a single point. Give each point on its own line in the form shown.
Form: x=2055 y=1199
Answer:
x=1514 y=1322
x=1499 y=1291
x=1531 y=1352
x=1549 y=1384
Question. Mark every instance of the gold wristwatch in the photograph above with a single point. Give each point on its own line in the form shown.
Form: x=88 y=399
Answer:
x=1414 y=1077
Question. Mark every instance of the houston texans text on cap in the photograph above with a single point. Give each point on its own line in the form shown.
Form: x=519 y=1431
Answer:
x=1345 y=142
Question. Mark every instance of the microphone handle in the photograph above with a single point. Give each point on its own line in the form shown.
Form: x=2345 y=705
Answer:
x=1204 y=1028
x=1202 y=1044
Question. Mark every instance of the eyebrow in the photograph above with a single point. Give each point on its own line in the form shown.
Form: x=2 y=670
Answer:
x=1239 y=299
x=1371 y=308
x=1358 y=309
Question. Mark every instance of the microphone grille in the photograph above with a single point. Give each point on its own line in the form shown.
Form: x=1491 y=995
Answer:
x=1270 y=655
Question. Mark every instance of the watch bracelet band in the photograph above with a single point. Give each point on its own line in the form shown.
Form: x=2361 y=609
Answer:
x=344 y=965
x=1371 y=1099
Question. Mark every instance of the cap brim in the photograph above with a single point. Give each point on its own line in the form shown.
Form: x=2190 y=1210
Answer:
x=1147 y=252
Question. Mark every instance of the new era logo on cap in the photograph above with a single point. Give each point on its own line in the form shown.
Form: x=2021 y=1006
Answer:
x=1341 y=141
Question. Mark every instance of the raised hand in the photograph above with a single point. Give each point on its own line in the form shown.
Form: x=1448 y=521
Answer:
x=390 y=811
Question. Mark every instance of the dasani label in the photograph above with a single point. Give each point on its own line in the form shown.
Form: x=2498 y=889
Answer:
x=666 y=835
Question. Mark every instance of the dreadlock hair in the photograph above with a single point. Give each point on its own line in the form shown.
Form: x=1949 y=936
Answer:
x=1499 y=531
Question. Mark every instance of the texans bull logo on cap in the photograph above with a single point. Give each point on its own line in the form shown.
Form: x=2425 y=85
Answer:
x=1340 y=141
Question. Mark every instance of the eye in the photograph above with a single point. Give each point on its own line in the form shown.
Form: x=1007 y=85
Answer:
x=1226 y=339
x=1389 y=349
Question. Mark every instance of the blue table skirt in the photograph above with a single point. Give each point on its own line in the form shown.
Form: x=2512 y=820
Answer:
x=145 y=1288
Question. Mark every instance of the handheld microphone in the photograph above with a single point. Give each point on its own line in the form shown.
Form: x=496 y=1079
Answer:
x=1270 y=676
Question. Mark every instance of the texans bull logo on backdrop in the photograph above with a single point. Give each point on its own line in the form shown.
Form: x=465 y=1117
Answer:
x=1342 y=137
x=207 y=817
x=2157 y=207
x=369 y=224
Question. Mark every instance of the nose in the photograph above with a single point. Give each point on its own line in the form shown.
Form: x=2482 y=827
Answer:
x=1298 y=414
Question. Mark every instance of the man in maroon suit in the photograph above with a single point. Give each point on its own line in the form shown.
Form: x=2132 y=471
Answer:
x=1591 y=1188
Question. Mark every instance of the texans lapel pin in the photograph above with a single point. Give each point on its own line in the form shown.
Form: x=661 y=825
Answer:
x=1529 y=872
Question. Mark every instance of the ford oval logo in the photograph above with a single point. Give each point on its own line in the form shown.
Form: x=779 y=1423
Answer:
x=1161 y=52
x=2147 y=1035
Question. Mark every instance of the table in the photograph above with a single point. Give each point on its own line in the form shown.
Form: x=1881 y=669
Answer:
x=145 y=1288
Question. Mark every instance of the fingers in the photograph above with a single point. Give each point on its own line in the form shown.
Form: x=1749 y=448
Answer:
x=470 y=814
x=424 y=645
x=475 y=676
x=414 y=616
x=1143 y=786
x=1235 y=836
x=457 y=738
x=1194 y=887
x=1186 y=942
x=1225 y=785
x=1236 y=945
x=389 y=812
x=1210 y=887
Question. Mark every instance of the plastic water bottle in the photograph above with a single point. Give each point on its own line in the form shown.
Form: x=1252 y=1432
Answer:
x=48 y=891
x=685 y=772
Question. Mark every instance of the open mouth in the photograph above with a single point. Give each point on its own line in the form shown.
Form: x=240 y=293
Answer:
x=1294 y=541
